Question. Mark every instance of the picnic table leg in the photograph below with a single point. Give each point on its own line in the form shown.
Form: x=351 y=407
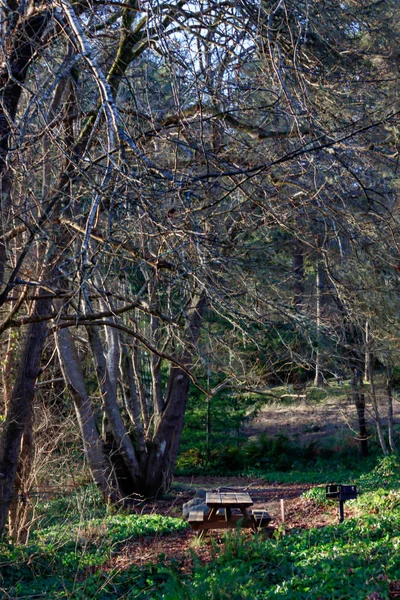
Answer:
x=202 y=532
x=255 y=527
x=211 y=513
x=249 y=517
x=246 y=514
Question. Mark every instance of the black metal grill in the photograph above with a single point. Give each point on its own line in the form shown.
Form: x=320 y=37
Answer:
x=341 y=493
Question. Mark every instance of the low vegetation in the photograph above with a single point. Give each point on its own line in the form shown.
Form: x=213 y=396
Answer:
x=74 y=551
x=69 y=559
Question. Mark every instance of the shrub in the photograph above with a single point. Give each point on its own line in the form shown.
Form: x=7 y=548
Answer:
x=384 y=475
x=316 y=394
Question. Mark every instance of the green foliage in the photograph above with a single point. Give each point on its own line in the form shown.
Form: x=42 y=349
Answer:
x=84 y=503
x=212 y=440
x=267 y=456
x=210 y=428
x=396 y=378
x=276 y=452
x=109 y=530
x=378 y=487
x=317 y=495
x=357 y=557
x=386 y=474
x=316 y=394
x=319 y=472
x=67 y=559
x=379 y=501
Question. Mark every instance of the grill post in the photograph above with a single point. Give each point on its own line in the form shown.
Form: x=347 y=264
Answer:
x=341 y=511
x=341 y=493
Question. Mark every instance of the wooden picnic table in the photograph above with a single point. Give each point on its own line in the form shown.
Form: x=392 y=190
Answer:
x=228 y=501
x=227 y=510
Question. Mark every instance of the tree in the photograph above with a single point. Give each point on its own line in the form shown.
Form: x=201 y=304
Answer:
x=151 y=156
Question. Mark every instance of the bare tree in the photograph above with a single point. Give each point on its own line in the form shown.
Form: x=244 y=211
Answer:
x=152 y=157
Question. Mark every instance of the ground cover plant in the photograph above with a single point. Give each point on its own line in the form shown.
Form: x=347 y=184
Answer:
x=69 y=559
x=75 y=552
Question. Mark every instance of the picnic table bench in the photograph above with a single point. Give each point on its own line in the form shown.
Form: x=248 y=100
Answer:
x=227 y=510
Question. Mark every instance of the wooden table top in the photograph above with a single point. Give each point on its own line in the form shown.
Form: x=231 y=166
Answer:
x=228 y=499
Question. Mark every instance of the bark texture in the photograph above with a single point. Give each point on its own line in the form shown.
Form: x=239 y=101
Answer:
x=93 y=444
x=165 y=445
x=359 y=401
x=20 y=408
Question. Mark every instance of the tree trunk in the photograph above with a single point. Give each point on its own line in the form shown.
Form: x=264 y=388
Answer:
x=20 y=407
x=20 y=513
x=298 y=273
x=362 y=427
x=359 y=401
x=318 y=379
x=165 y=445
x=389 y=388
x=156 y=372
x=377 y=417
x=367 y=368
x=19 y=44
x=140 y=389
x=6 y=372
x=100 y=468
x=124 y=446
x=132 y=404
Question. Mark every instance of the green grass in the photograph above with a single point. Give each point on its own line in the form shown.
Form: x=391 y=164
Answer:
x=68 y=560
x=324 y=471
x=346 y=561
x=73 y=558
x=356 y=558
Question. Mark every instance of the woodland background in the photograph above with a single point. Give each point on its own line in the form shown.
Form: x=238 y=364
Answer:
x=199 y=203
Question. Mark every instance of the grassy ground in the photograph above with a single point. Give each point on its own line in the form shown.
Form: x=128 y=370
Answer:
x=324 y=416
x=279 y=434
x=80 y=550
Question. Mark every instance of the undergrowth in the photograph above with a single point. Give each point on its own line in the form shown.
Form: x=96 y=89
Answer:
x=68 y=560
x=76 y=559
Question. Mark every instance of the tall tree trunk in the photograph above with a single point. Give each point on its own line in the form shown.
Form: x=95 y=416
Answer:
x=359 y=401
x=99 y=466
x=5 y=206
x=19 y=44
x=121 y=437
x=377 y=417
x=20 y=513
x=367 y=369
x=132 y=404
x=20 y=407
x=318 y=379
x=6 y=372
x=165 y=445
x=298 y=273
x=140 y=389
x=155 y=369
x=389 y=389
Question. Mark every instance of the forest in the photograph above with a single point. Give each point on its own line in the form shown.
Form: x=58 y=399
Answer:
x=200 y=227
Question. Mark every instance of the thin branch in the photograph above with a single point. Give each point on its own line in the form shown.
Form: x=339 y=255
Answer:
x=140 y=338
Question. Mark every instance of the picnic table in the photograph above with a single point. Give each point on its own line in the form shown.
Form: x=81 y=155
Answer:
x=227 y=510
